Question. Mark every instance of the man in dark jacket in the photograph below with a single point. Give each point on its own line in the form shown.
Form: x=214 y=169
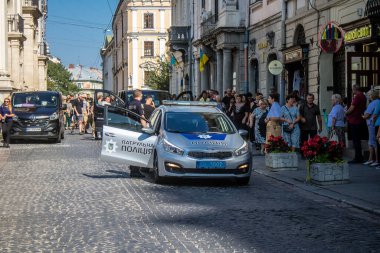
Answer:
x=136 y=107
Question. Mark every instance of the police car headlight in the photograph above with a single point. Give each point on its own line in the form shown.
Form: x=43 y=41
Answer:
x=54 y=116
x=242 y=150
x=168 y=147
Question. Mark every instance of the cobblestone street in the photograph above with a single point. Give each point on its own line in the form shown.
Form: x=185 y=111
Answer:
x=62 y=198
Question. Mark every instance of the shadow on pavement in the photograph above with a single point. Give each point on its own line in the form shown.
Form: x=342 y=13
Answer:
x=116 y=174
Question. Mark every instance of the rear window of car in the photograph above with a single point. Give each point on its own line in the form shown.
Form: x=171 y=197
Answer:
x=197 y=122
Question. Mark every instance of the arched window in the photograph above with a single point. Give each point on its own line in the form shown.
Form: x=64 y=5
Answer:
x=299 y=36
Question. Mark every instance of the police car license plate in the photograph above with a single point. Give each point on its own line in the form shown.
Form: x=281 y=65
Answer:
x=211 y=165
x=33 y=129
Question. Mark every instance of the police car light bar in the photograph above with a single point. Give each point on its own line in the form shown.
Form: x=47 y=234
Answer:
x=189 y=103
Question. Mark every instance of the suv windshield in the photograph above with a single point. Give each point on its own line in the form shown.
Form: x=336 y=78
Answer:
x=197 y=122
x=34 y=100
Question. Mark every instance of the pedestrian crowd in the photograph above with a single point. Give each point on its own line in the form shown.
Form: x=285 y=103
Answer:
x=79 y=113
x=296 y=121
x=300 y=119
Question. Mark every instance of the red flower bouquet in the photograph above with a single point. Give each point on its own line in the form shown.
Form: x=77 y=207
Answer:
x=322 y=150
x=277 y=145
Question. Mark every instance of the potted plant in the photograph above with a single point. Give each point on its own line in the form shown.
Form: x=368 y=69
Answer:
x=279 y=155
x=325 y=161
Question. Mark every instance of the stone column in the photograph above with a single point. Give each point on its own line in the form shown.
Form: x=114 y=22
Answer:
x=219 y=72
x=162 y=46
x=197 y=83
x=5 y=81
x=135 y=66
x=227 y=69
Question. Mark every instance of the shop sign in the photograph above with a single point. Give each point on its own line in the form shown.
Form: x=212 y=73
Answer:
x=295 y=55
x=263 y=44
x=275 y=67
x=330 y=37
x=363 y=32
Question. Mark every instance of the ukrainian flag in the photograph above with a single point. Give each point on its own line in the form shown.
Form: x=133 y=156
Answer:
x=173 y=60
x=202 y=61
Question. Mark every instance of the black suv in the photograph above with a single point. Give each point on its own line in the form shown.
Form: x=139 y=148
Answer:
x=38 y=115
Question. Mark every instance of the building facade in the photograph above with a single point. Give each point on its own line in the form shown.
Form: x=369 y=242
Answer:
x=140 y=36
x=181 y=48
x=87 y=79
x=107 y=53
x=218 y=29
x=312 y=67
x=265 y=44
x=23 y=61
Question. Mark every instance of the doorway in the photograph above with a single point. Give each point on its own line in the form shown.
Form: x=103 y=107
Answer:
x=363 y=70
x=254 y=76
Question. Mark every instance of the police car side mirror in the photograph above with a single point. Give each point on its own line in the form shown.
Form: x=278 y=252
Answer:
x=148 y=130
x=243 y=133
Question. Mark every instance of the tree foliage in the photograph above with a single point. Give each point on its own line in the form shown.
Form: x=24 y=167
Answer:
x=59 y=79
x=159 y=77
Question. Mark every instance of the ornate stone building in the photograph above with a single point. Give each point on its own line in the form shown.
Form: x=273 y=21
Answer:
x=140 y=36
x=218 y=28
x=23 y=61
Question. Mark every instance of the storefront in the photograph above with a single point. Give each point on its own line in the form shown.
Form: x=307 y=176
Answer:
x=363 y=55
x=296 y=69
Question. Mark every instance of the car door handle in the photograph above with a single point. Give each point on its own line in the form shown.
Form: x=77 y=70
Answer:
x=110 y=134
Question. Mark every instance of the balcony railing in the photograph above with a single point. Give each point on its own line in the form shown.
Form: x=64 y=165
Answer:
x=179 y=34
x=15 y=23
x=208 y=25
x=31 y=3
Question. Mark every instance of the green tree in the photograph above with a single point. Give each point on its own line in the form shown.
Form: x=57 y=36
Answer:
x=59 y=79
x=159 y=77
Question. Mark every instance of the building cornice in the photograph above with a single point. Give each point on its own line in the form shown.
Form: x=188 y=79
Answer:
x=155 y=8
x=266 y=22
x=145 y=34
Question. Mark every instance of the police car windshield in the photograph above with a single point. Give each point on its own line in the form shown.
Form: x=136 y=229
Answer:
x=197 y=122
x=34 y=100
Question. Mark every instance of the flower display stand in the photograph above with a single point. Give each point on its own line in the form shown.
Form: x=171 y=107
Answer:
x=281 y=161
x=329 y=173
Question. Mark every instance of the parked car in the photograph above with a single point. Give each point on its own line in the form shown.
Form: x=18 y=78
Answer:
x=38 y=115
x=184 y=139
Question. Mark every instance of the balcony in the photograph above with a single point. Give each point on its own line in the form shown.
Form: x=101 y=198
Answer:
x=32 y=7
x=15 y=23
x=32 y=3
x=179 y=34
x=208 y=25
x=42 y=48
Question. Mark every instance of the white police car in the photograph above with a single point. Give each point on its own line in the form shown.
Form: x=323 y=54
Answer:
x=184 y=139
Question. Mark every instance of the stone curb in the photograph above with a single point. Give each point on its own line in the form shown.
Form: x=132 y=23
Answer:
x=321 y=192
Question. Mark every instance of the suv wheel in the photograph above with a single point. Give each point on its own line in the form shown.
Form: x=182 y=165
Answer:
x=58 y=139
x=156 y=173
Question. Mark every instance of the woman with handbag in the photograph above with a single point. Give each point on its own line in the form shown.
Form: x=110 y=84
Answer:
x=273 y=118
x=335 y=123
x=6 y=119
x=291 y=117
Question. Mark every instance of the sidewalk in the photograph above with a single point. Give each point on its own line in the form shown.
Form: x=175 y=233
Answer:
x=362 y=192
